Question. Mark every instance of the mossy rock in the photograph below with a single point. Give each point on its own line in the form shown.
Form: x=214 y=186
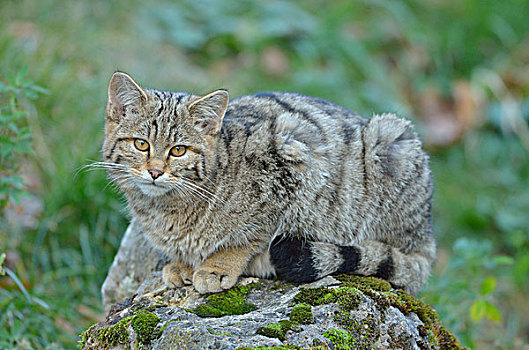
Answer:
x=277 y=330
x=302 y=313
x=342 y=340
x=144 y=324
x=353 y=290
x=230 y=302
x=346 y=312
x=114 y=334
x=109 y=335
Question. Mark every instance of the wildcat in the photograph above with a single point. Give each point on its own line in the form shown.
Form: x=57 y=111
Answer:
x=269 y=184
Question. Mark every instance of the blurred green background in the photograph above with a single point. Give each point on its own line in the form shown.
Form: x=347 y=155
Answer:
x=459 y=68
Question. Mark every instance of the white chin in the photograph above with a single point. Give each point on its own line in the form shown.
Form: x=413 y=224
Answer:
x=153 y=190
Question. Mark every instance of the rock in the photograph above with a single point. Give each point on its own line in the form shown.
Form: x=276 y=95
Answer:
x=341 y=312
x=135 y=261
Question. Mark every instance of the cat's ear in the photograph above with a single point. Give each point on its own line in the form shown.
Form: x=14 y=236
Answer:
x=124 y=95
x=208 y=111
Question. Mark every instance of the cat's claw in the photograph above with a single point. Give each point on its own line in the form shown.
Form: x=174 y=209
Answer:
x=210 y=280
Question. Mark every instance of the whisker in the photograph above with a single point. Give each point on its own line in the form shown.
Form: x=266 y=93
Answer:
x=113 y=184
x=175 y=186
x=206 y=195
x=105 y=165
x=121 y=179
x=100 y=165
x=197 y=194
x=202 y=188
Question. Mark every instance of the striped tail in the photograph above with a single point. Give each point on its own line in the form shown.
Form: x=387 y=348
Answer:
x=302 y=261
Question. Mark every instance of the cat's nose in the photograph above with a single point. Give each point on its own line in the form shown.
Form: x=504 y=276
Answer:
x=155 y=173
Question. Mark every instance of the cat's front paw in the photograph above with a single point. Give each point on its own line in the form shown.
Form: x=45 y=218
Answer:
x=177 y=275
x=212 y=280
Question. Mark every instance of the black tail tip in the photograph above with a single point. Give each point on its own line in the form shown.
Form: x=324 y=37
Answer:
x=293 y=259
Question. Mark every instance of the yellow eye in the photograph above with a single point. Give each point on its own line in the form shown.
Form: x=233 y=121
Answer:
x=141 y=145
x=178 y=151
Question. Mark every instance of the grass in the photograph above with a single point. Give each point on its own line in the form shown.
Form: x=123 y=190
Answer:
x=371 y=57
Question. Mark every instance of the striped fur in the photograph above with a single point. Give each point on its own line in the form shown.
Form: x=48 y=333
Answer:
x=274 y=183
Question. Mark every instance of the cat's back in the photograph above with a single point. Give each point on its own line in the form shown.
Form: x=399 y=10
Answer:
x=293 y=124
x=270 y=105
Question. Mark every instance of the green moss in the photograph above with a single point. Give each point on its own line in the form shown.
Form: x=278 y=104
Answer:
x=363 y=334
x=230 y=302
x=372 y=283
x=277 y=330
x=149 y=308
x=115 y=334
x=144 y=324
x=280 y=285
x=84 y=337
x=302 y=313
x=314 y=296
x=347 y=297
x=375 y=288
x=407 y=303
x=447 y=340
x=342 y=340
x=273 y=330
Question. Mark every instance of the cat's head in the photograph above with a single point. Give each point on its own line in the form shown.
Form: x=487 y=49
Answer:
x=159 y=142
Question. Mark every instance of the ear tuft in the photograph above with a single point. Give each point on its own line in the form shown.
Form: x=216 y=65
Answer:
x=208 y=111
x=124 y=94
